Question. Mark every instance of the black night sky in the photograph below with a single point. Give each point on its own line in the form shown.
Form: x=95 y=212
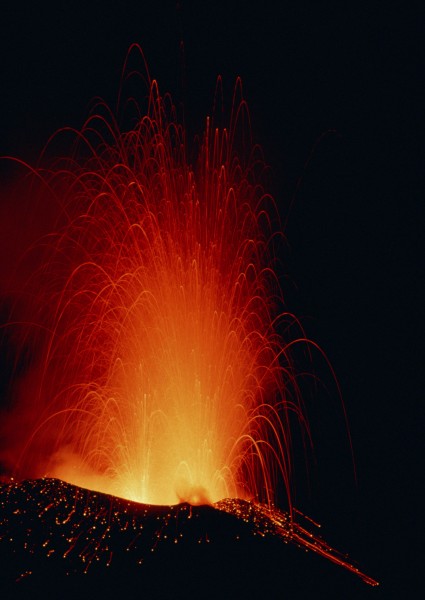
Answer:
x=336 y=95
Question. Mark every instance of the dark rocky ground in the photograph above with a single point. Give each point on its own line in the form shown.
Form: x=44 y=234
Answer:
x=60 y=541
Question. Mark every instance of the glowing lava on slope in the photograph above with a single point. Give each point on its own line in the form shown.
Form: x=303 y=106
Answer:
x=161 y=372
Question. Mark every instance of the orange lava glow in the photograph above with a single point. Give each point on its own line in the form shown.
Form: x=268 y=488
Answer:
x=162 y=373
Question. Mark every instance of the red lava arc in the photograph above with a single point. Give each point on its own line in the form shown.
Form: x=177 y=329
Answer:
x=163 y=374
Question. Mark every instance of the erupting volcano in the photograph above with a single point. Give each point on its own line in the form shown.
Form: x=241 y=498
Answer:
x=159 y=366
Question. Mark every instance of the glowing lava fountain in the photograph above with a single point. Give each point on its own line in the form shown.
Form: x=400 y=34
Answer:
x=159 y=371
x=162 y=376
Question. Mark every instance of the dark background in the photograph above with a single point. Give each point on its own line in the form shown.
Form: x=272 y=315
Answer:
x=336 y=94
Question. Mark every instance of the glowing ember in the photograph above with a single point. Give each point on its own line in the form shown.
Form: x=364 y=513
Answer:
x=155 y=311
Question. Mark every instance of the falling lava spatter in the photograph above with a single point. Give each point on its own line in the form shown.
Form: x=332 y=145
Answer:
x=155 y=309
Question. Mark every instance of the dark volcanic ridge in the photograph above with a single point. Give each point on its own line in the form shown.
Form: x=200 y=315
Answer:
x=60 y=539
x=48 y=520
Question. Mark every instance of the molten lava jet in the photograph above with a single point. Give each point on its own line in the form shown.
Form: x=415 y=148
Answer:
x=160 y=368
